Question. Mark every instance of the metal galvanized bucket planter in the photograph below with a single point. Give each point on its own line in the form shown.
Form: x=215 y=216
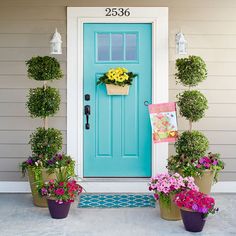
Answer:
x=117 y=90
x=205 y=181
x=171 y=212
x=37 y=199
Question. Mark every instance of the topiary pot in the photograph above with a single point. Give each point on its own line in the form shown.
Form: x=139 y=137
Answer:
x=193 y=221
x=171 y=212
x=58 y=211
x=37 y=199
x=205 y=181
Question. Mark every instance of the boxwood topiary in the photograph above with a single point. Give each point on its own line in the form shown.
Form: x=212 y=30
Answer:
x=192 y=105
x=192 y=144
x=44 y=68
x=43 y=102
x=46 y=142
x=191 y=70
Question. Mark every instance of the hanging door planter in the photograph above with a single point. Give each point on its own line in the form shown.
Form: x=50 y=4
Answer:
x=117 y=90
x=117 y=81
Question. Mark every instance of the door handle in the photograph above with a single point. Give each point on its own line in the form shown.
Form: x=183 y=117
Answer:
x=87 y=112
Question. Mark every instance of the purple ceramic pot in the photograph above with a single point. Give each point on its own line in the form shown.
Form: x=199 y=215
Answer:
x=193 y=221
x=58 y=211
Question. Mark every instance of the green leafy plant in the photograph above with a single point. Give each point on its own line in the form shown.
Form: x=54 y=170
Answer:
x=192 y=144
x=184 y=165
x=212 y=162
x=190 y=71
x=62 y=189
x=46 y=142
x=43 y=102
x=60 y=161
x=33 y=162
x=192 y=105
x=118 y=76
x=44 y=68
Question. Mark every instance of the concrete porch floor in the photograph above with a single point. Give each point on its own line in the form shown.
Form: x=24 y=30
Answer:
x=20 y=218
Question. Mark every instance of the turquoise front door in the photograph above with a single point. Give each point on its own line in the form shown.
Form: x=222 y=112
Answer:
x=117 y=137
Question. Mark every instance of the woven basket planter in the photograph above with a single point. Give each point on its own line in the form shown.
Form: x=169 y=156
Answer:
x=117 y=90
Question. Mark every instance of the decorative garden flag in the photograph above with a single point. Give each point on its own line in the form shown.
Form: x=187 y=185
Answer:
x=164 y=122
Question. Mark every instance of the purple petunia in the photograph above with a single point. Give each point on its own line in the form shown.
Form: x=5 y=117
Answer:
x=29 y=161
x=195 y=207
x=204 y=210
x=201 y=161
x=215 y=162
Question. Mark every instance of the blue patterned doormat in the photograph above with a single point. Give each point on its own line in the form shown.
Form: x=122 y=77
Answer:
x=116 y=200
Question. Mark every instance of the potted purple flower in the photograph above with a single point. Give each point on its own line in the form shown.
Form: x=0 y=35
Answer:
x=41 y=170
x=195 y=207
x=208 y=168
x=60 y=193
x=165 y=186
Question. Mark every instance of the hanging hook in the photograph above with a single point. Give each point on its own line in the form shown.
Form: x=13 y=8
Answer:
x=146 y=103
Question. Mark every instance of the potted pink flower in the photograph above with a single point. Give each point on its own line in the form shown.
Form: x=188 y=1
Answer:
x=165 y=186
x=208 y=168
x=60 y=193
x=195 y=207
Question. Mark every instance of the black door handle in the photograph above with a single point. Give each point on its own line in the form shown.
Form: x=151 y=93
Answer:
x=87 y=112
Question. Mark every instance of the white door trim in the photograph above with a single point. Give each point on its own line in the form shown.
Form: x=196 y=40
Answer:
x=76 y=17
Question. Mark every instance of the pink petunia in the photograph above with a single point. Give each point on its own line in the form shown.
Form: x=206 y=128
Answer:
x=59 y=191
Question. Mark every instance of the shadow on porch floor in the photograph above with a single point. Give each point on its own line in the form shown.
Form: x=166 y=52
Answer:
x=20 y=218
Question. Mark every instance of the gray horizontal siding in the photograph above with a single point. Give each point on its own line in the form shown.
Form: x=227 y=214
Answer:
x=11 y=137
x=26 y=27
x=20 y=95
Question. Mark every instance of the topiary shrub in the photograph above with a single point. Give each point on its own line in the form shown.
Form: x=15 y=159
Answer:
x=192 y=144
x=192 y=105
x=46 y=142
x=191 y=70
x=43 y=102
x=44 y=68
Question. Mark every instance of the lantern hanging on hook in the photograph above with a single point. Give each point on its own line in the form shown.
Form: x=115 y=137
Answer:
x=181 y=44
x=55 y=43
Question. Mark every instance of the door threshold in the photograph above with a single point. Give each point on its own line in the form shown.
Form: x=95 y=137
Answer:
x=103 y=179
x=115 y=185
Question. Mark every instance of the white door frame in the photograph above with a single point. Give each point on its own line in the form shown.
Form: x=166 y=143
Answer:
x=76 y=17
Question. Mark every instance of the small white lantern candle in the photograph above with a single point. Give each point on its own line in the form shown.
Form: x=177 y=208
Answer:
x=56 y=43
x=181 y=44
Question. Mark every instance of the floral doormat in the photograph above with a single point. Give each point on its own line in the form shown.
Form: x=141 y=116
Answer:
x=115 y=200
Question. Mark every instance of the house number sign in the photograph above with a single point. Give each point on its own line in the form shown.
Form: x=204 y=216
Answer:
x=114 y=11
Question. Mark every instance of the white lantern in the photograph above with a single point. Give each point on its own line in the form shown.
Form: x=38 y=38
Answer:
x=181 y=44
x=55 y=47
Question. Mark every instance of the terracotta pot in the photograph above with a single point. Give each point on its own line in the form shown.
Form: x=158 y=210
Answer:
x=37 y=199
x=117 y=90
x=58 y=211
x=171 y=212
x=193 y=221
x=205 y=181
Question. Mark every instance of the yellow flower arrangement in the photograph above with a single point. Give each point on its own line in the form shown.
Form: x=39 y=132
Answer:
x=118 y=76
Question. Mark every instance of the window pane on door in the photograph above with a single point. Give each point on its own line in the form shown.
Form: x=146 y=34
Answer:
x=103 y=47
x=117 y=47
x=131 y=47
